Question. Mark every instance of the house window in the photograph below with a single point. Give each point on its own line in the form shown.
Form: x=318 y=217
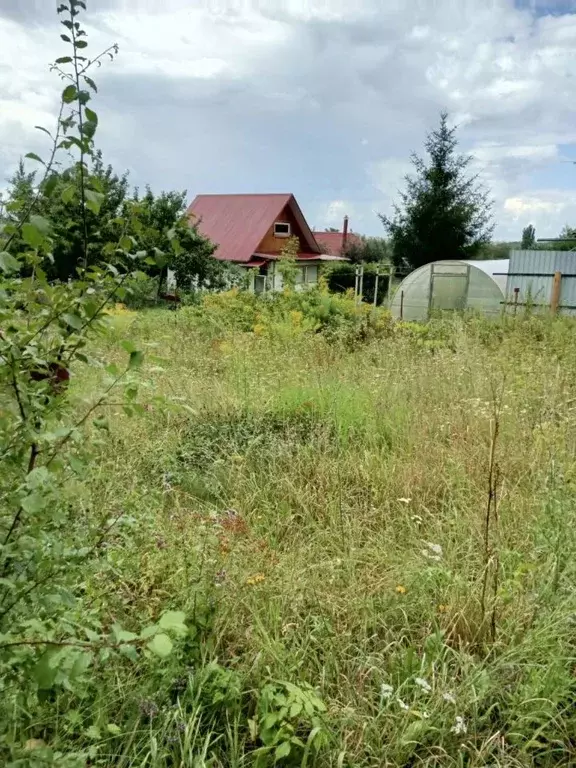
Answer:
x=312 y=275
x=282 y=229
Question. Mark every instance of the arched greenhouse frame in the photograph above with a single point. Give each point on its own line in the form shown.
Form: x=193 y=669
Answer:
x=452 y=285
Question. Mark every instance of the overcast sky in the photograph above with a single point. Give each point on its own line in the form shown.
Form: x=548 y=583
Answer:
x=322 y=98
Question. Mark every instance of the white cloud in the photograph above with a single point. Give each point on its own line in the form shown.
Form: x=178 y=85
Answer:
x=325 y=98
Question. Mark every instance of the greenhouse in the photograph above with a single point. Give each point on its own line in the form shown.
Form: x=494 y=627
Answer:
x=452 y=285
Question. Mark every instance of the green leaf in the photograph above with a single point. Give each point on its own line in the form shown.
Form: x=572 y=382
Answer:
x=41 y=224
x=63 y=60
x=66 y=40
x=34 y=156
x=136 y=359
x=93 y=732
x=129 y=651
x=33 y=503
x=91 y=115
x=128 y=346
x=45 y=671
x=160 y=645
x=32 y=235
x=122 y=635
x=69 y=94
x=45 y=130
x=90 y=82
x=80 y=44
x=8 y=263
x=174 y=621
x=101 y=423
x=94 y=200
x=76 y=465
x=282 y=750
x=114 y=729
x=73 y=320
x=68 y=193
x=125 y=242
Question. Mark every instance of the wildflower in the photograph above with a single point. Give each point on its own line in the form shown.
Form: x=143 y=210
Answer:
x=220 y=578
x=258 y=578
x=416 y=519
x=403 y=705
x=148 y=708
x=400 y=589
x=404 y=500
x=459 y=726
x=424 y=684
x=449 y=697
x=386 y=691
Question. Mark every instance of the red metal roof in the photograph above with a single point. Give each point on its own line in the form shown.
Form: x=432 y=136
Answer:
x=332 y=241
x=238 y=223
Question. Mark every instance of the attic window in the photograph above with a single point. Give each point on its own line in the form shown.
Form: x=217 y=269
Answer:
x=281 y=229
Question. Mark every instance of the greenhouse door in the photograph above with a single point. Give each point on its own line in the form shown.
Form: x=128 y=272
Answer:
x=448 y=287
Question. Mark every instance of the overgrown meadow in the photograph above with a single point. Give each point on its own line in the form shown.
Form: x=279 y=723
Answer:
x=259 y=531
x=363 y=533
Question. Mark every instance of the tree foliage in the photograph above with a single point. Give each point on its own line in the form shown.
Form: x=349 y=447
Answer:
x=444 y=213
x=528 y=238
x=287 y=264
x=158 y=222
x=48 y=640
x=369 y=250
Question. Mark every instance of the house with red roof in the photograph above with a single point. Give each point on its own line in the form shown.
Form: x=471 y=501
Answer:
x=252 y=230
x=335 y=243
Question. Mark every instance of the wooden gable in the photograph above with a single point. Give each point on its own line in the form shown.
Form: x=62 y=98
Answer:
x=270 y=243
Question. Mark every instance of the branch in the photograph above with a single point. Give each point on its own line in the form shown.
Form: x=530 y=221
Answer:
x=82 y=139
x=84 y=418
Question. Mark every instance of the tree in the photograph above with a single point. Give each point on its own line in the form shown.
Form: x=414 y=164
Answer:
x=528 y=238
x=367 y=249
x=444 y=213
x=74 y=233
x=174 y=243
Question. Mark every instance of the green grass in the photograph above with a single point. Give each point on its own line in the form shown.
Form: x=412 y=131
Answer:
x=354 y=558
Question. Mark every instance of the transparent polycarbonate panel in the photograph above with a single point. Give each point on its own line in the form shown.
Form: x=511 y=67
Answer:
x=446 y=285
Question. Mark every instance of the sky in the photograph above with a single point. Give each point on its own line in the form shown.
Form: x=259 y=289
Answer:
x=326 y=99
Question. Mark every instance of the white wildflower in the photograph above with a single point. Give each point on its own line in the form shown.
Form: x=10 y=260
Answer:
x=459 y=726
x=404 y=500
x=449 y=697
x=403 y=705
x=386 y=691
x=424 y=684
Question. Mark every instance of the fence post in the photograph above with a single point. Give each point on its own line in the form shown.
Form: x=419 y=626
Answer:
x=555 y=297
x=389 y=292
x=516 y=292
x=401 y=305
x=376 y=285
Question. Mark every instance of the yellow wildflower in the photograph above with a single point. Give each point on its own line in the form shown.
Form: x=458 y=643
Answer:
x=400 y=589
x=258 y=578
